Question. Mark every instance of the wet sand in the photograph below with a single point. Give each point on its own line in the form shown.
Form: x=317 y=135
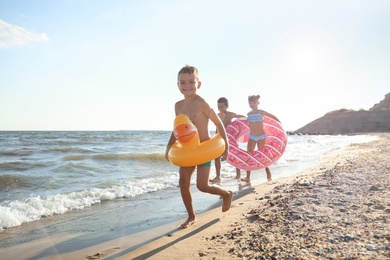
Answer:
x=339 y=210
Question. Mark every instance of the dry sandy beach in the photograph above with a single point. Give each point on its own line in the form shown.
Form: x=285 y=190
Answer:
x=339 y=210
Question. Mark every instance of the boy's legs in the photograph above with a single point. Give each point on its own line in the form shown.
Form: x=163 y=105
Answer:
x=269 y=175
x=185 y=182
x=217 y=178
x=202 y=183
x=238 y=173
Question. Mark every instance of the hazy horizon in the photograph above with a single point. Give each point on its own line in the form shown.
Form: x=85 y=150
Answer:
x=77 y=65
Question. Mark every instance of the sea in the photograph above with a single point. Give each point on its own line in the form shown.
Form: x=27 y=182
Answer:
x=63 y=174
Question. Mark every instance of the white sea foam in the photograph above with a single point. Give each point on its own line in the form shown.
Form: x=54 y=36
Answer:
x=15 y=213
x=80 y=169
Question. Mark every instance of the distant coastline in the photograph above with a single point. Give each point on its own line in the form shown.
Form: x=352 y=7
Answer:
x=346 y=121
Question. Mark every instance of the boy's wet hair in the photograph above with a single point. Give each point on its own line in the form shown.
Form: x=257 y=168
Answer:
x=224 y=101
x=253 y=98
x=189 y=70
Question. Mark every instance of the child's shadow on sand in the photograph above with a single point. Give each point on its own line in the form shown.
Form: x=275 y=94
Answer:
x=159 y=249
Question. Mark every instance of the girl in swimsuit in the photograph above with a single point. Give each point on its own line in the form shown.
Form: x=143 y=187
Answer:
x=256 y=135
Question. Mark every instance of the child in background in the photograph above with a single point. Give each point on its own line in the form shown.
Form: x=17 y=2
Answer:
x=226 y=118
x=256 y=135
x=200 y=113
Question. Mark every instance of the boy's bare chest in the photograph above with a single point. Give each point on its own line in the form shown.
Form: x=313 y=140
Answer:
x=190 y=109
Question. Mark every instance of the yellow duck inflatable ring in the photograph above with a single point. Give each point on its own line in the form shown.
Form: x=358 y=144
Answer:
x=188 y=151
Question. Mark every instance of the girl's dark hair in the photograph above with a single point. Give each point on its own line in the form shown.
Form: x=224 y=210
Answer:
x=253 y=97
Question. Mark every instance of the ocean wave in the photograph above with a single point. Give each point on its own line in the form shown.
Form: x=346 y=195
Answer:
x=69 y=176
x=9 y=182
x=15 y=153
x=20 y=166
x=76 y=157
x=67 y=150
x=135 y=157
x=15 y=213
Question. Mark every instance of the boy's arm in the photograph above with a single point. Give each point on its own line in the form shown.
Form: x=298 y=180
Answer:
x=216 y=129
x=234 y=115
x=238 y=116
x=171 y=141
x=221 y=130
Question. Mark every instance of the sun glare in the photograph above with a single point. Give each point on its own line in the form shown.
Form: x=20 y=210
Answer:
x=306 y=65
x=305 y=54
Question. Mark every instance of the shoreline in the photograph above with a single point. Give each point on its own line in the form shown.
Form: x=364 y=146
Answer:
x=337 y=210
x=263 y=215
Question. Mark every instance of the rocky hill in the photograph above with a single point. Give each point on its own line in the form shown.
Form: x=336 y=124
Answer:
x=344 y=121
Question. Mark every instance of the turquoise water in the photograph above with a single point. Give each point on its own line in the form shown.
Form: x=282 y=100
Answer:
x=52 y=173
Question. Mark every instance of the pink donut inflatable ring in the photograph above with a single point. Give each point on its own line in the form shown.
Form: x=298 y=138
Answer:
x=275 y=144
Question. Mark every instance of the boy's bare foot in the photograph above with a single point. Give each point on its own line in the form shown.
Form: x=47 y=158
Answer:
x=215 y=180
x=269 y=176
x=227 y=201
x=189 y=222
x=246 y=179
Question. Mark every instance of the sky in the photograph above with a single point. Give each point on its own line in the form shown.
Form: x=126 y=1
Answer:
x=112 y=65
